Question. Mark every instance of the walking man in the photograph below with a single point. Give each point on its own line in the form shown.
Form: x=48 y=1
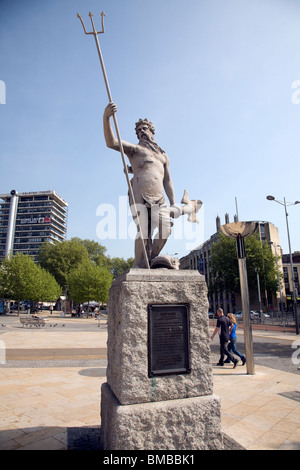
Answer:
x=223 y=325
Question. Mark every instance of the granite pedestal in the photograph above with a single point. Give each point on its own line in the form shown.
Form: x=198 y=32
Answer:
x=173 y=407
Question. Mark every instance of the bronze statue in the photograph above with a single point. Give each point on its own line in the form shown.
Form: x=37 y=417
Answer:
x=150 y=167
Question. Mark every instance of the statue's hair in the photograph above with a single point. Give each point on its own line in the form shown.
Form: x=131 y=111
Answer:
x=148 y=123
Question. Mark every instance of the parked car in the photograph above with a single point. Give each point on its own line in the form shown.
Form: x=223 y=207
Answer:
x=265 y=315
x=253 y=314
x=257 y=315
x=211 y=315
x=238 y=314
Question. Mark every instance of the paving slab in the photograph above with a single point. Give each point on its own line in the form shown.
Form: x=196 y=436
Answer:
x=56 y=408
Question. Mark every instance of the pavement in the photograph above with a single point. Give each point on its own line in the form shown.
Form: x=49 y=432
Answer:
x=50 y=390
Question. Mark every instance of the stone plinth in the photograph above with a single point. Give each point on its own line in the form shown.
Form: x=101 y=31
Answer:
x=186 y=424
x=161 y=410
x=127 y=347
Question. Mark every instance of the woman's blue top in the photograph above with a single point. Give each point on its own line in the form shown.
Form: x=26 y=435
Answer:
x=233 y=331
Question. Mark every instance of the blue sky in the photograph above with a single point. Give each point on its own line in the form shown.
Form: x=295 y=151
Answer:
x=215 y=77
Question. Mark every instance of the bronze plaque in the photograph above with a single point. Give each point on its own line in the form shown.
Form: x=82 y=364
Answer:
x=168 y=339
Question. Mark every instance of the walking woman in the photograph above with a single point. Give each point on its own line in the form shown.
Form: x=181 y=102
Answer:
x=233 y=339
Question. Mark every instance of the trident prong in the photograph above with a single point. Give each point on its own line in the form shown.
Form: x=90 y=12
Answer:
x=95 y=34
x=92 y=21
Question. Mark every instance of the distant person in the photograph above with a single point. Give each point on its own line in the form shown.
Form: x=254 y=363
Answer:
x=233 y=340
x=222 y=327
x=35 y=313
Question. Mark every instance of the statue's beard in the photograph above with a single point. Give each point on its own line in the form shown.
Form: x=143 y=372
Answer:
x=151 y=144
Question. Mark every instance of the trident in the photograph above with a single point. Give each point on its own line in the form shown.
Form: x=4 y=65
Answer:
x=95 y=34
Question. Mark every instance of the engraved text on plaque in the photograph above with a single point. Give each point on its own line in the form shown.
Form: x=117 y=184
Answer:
x=168 y=339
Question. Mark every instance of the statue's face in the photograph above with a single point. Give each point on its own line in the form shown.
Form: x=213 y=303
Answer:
x=144 y=133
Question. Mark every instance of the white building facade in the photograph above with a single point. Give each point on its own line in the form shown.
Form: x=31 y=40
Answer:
x=27 y=220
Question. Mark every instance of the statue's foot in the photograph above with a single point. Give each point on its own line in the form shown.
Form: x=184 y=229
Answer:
x=165 y=261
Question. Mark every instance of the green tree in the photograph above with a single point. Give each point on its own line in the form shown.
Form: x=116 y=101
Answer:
x=89 y=282
x=60 y=258
x=18 y=277
x=259 y=255
x=97 y=254
x=49 y=289
x=22 y=279
x=118 y=266
x=224 y=264
x=95 y=250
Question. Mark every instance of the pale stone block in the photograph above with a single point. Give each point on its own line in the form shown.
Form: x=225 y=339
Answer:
x=186 y=424
x=127 y=371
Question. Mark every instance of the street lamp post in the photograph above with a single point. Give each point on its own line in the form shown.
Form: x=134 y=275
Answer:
x=285 y=204
x=239 y=231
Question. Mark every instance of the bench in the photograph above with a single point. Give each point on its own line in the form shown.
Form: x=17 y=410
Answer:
x=32 y=321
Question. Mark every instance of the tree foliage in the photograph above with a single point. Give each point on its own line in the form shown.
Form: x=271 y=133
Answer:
x=88 y=281
x=224 y=264
x=60 y=258
x=22 y=279
x=97 y=254
x=118 y=266
x=81 y=264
